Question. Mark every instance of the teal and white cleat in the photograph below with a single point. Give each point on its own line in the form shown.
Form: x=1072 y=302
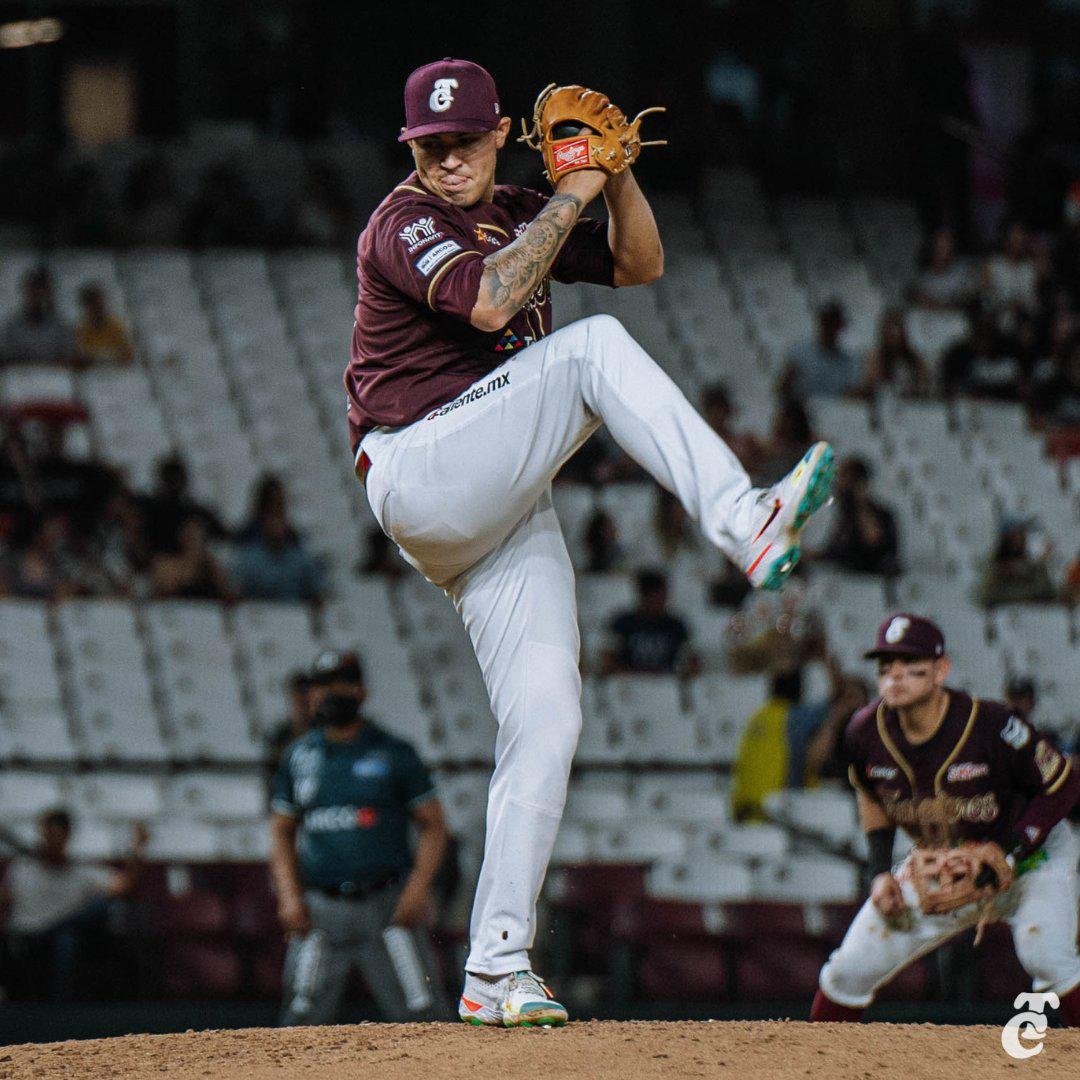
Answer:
x=517 y=1000
x=784 y=509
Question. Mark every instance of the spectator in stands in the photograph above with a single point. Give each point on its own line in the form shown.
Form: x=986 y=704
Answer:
x=863 y=537
x=100 y=335
x=119 y=544
x=276 y=565
x=269 y=497
x=946 y=280
x=893 y=362
x=53 y=905
x=761 y=764
x=352 y=891
x=35 y=334
x=603 y=552
x=649 y=639
x=151 y=203
x=826 y=760
x=171 y=505
x=224 y=212
x=821 y=366
x=193 y=572
x=1017 y=572
x=48 y=566
x=1012 y=275
x=719 y=411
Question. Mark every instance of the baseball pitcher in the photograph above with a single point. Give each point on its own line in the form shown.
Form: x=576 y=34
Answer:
x=463 y=405
x=983 y=795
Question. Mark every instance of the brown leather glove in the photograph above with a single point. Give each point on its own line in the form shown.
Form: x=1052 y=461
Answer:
x=575 y=128
x=947 y=879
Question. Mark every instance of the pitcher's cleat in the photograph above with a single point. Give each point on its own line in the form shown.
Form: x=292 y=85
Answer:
x=517 y=1000
x=783 y=510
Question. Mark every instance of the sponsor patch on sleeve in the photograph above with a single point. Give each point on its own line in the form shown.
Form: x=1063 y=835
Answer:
x=426 y=263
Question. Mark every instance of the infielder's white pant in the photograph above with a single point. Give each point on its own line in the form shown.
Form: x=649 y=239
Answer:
x=1040 y=908
x=466 y=496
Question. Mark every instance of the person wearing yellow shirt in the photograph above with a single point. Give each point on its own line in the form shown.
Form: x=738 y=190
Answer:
x=101 y=337
x=761 y=765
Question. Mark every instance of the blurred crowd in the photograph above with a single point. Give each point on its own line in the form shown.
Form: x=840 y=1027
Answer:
x=74 y=528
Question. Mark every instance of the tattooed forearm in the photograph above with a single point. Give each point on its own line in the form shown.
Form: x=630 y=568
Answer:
x=512 y=274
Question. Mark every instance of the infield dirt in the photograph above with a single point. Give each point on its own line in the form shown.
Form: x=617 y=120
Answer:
x=772 y=1050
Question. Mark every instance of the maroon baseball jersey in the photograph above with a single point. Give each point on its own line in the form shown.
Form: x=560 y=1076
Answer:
x=985 y=774
x=419 y=262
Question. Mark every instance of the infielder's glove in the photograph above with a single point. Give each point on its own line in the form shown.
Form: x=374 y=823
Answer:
x=575 y=128
x=947 y=879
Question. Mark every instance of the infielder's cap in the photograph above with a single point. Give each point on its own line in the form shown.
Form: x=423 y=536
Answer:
x=331 y=666
x=908 y=635
x=449 y=95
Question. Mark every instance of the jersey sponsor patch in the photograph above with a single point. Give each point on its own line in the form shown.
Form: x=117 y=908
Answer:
x=1047 y=760
x=340 y=818
x=882 y=772
x=426 y=263
x=420 y=233
x=1016 y=733
x=966 y=770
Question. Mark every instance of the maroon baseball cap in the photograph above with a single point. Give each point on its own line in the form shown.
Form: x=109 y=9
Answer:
x=908 y=635
x=449 y=95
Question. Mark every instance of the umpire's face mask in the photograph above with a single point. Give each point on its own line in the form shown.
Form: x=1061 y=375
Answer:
x=337 y=710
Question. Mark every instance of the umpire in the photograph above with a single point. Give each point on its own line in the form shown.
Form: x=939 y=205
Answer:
x=350 y=891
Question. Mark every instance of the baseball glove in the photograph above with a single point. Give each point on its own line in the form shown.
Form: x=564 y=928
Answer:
x=574 y=128
x=947 y=879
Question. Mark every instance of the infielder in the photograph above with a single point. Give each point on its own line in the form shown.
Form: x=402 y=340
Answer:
x=463 y=406
x=983 y=795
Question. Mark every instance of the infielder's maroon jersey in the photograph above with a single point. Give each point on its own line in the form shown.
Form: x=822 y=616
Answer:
x=984 y=774
x=419 y=262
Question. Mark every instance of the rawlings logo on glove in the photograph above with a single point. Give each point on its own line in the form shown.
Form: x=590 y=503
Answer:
x=574 y=128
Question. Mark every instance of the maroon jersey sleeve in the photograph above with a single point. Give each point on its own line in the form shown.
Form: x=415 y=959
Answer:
x=585 y=256
x=424 y=248
x=1043 y=774
x=854 y=744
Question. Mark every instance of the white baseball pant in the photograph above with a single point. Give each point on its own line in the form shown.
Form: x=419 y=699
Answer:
x=466 y=495
x=1040 y=909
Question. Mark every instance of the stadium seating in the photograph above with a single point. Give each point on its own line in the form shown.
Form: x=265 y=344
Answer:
x=160 y=710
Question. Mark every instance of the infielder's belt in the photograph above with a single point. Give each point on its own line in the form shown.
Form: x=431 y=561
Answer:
x=357 y=890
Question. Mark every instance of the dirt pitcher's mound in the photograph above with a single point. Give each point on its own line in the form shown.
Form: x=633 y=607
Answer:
x=591 y=1051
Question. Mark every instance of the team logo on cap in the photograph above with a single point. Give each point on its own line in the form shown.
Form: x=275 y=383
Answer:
x=442 y=96
x=897 y=629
